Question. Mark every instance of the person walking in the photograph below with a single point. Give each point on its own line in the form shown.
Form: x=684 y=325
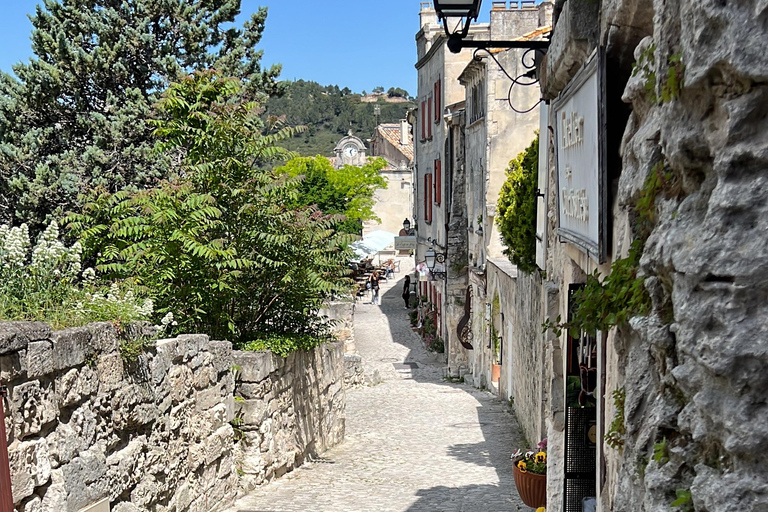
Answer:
x=374 y=281
x=407 y=291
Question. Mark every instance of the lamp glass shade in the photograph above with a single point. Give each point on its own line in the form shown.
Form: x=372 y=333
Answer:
x=430 y=259
x=457 y=8
x=406 y=224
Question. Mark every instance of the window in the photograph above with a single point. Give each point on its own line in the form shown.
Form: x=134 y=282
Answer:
x=438 y=100
x=428 y=198
x=438 y=181
x=477 y=102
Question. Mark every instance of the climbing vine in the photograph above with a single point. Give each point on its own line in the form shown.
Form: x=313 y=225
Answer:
x=614 y=437
x=612 y=301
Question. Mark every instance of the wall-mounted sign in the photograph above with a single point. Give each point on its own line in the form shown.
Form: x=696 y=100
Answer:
x=405 y=243
x=579 y=118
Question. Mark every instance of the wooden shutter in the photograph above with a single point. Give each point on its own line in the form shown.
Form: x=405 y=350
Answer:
x=438 y=181
x=428 y=197
x=423 y=134
x=429 y=124
x=438 y=100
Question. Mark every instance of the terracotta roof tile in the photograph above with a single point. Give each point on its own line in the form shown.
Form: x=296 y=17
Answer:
x=391 y=132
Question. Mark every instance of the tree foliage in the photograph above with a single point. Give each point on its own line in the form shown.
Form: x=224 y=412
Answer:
x=347 y=191
x=221 y=244
x=517 y=208
x=75 y=116
x=329 y=113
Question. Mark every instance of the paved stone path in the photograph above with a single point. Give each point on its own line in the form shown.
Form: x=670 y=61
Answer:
x=413 y=443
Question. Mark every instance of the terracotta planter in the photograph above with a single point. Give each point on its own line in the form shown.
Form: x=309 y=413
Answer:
x=531 y=487
x=495 y=372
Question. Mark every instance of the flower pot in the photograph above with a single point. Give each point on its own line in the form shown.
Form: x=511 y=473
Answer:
x=495 y=372
x=531 y=487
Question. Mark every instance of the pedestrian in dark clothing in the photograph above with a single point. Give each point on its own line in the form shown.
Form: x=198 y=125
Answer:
x=407 y=291
x=374 y=280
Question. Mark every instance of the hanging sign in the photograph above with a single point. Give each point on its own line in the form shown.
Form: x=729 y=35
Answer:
x=579 y=119
x=405 y=243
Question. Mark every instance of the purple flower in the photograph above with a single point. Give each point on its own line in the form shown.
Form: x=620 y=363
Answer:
x=543 y=444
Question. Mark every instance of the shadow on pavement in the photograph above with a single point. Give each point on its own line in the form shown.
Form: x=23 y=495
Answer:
x=471 y=497
x=494 y=418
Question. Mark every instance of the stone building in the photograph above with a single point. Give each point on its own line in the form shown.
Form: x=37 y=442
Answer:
x=394 y=143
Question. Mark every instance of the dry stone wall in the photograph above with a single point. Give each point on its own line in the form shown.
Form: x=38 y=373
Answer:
x=155 y=434
x=288 y=410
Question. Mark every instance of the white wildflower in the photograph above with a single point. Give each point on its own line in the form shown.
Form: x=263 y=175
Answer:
x=147 y=308
x=89 y=275
x=167 y=319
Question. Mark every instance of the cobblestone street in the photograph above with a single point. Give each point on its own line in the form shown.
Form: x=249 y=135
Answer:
x=413 y=443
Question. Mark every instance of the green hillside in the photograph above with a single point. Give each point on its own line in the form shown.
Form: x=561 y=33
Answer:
x=329 y=113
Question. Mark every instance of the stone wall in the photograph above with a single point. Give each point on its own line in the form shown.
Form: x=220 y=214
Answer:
x=156 y=433
x=288 y=410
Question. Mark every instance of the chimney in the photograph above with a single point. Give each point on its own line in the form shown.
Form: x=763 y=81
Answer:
x=427 y=15
x=404 y=133
x=545 y=14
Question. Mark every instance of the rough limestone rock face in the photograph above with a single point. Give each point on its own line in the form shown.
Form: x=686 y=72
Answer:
x=695 y=370
x=159 y=433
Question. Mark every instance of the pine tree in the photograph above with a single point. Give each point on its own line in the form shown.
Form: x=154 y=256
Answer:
x=75 y=116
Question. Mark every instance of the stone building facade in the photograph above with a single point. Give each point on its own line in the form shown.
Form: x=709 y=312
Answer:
x=184 y=427
x=461 y=154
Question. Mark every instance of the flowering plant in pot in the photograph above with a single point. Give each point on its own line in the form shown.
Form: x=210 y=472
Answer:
x=530 y=471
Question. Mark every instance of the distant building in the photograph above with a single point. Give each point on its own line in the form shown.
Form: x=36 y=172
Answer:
x=394 y=143
x=349 y=151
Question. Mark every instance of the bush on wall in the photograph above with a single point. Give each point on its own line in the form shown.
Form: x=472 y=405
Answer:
x=517 y=208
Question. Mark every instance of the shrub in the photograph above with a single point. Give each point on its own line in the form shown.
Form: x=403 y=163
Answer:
x=517 y=208
x=221 y=246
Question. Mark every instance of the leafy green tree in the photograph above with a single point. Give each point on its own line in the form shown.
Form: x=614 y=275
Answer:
x=347 y=191
x=517 y=208
x=75 y=116
x=378 y=90
x=222 y=245
x=396 y=92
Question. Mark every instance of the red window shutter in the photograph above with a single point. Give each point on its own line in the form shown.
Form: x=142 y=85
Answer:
x=438 y=100
x=438 y=181
x=428 y=197
x=423 y=118
x=429 y=124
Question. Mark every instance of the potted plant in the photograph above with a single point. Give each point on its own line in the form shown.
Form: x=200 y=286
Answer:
x=530 y=471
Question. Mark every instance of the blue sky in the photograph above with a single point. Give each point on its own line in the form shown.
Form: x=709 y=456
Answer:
x=358 y=44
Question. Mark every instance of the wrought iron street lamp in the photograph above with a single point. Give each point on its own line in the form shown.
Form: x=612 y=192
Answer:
x=407 y=225
x=457 y=15
x=431 y=257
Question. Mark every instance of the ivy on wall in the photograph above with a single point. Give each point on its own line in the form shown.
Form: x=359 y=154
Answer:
x=517 y=208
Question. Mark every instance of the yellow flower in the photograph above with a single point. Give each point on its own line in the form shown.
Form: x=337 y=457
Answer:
x=541 y=509
x=541 y=457
x=522 y=467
